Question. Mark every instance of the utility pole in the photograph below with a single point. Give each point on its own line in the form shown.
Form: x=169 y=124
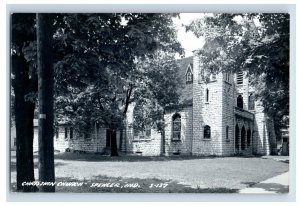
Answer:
x=45 y=96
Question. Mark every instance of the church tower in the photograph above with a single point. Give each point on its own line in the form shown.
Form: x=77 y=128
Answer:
x=212 y=111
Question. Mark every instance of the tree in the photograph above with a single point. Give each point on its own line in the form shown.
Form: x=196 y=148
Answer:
x=45 y=94
x=159 y=89
x=99 y=74
x=257 y=43
x=24 y=84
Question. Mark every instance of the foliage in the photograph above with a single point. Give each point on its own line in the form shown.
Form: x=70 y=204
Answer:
x=99 y=63
x=159 y=88
x=257 y=43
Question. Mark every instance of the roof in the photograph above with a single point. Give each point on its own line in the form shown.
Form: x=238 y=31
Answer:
x=186 y=96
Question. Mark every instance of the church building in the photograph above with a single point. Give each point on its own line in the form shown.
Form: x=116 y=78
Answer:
x=218 y=115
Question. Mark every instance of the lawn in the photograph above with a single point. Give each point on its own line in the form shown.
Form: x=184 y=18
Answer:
x=98 y=173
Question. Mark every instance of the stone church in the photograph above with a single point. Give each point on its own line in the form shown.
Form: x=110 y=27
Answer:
x=218 y=115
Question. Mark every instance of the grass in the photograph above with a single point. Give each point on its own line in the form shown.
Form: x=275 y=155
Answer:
x=188 y=174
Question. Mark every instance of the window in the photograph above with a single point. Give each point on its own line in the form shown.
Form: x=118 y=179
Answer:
x=227 y=77
x=240 y=102
x=206 y=132
x=66 y=133
x=71 y=132
x=239 y=78
x=189 y=75
x=176 y=126
x=57 y=132
x=227 y=133
x=251 y=101
x=207 y=95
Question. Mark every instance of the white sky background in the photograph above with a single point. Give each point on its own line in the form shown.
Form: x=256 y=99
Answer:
x=187 y=39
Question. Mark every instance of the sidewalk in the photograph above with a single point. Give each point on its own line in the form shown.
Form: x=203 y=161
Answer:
x=275 y=185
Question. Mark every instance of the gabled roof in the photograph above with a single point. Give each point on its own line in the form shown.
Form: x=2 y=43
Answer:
x=187 y=91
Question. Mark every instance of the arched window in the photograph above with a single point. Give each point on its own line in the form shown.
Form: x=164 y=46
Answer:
x=206 y=132
x=240 y=101
x=227 y=132
x=207 y=95
x=176 y=127
x=251 y=101
x=189 y=74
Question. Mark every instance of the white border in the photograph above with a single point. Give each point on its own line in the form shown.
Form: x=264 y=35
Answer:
x=113 y=7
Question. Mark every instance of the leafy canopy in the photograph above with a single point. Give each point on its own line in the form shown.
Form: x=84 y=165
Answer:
x=101 y=64
x=257 y=43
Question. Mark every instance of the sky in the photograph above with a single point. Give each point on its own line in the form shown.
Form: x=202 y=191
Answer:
x=187 y=39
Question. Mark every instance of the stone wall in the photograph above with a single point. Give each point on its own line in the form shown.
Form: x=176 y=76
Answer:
x=148 y=147
x=153 y=145
x=228 y=103
x=96 y=142
x=264 y=137
x=184 y=145
x=207 y=113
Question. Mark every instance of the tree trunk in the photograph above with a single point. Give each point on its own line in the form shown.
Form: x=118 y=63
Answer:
x=23 y=83
x=45 y=80
x=24 y=113
x=114 y=148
